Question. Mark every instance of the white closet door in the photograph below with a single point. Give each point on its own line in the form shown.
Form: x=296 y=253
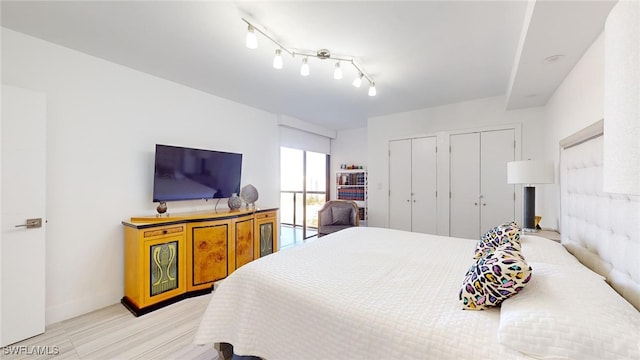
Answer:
x=498 y=200
x=400 y=184
x=464 y=182
x=423 y=185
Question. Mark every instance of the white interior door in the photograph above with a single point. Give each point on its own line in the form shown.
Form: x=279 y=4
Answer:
x=424 y=209
x=23 y=134
x=400 y=184
x=464 y=183
x=498 y=197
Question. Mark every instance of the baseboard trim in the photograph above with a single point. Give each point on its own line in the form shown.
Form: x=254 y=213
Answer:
x=136 y=311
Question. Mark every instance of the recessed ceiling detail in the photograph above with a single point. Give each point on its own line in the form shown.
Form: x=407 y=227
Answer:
x=554 y=39
x=553 y=58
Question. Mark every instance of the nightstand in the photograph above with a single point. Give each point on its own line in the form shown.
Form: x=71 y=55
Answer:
x=546 y=233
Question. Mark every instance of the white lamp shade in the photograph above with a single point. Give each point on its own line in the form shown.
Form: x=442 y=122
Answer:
x=530 y=172
x=621 y=166
x=277 y=60
x=251 y=40
x=337 y=73
x=357 y=81
x=304 y=69
x=372 y=89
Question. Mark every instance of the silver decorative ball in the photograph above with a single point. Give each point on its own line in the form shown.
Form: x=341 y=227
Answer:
x=249 y=194
x=234 y=202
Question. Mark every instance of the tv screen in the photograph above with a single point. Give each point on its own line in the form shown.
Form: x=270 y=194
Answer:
x=187 y=174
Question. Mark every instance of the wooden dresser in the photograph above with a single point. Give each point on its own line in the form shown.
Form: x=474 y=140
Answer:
x=173 y=257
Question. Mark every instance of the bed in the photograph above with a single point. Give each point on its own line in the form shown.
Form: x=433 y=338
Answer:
x=374 y=293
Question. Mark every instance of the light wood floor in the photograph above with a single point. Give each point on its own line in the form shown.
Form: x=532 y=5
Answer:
x=114 y=333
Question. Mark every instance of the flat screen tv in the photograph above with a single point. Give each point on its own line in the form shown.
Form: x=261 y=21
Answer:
x=186 y=174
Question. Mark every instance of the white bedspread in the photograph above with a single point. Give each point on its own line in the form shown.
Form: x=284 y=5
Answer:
x=392 y=295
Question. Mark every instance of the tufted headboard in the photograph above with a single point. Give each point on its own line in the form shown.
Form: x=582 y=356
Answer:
x=601 y=229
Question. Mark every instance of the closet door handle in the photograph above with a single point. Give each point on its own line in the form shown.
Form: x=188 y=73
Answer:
x=475 y=203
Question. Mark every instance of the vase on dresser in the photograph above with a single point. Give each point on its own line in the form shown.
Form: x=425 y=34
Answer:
x=161 y=209
x=234 y=202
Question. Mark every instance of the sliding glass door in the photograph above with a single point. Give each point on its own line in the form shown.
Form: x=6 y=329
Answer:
x=303 y=191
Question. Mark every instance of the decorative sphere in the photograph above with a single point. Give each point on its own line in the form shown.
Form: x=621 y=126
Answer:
x=249 y=194
x=234 y=202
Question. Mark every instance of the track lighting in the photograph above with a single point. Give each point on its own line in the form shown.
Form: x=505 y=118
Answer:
x=251 y=40
x=372 y=89
x=304 y=70
x=337 y=73
x=277 y=60
x=322 y=54
x=358 y=81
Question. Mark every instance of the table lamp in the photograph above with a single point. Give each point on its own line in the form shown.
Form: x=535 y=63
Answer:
x=528 y=173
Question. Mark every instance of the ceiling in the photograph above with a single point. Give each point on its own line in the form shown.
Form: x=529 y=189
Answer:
x=419 y=53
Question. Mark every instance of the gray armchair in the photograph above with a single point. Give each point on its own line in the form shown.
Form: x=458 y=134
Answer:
x=336 y=215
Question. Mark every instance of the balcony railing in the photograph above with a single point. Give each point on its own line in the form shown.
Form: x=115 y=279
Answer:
x=291 y=207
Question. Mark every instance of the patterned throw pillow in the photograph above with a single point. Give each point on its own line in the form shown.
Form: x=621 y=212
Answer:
x=499 y=235
x=494 y=277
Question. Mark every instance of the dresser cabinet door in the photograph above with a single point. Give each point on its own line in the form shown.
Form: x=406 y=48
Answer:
x=266 y=238
x=266 y=231
x=164 y=275
x=244 y=241
x=208 y=245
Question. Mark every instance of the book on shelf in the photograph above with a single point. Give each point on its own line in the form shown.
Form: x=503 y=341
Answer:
x=351 y=179
x=357 y=194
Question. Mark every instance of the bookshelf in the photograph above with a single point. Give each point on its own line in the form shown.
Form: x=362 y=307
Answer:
x=351 y=184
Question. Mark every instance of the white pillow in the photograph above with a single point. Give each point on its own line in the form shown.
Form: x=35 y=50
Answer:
x=539 y=249
x=569 y=312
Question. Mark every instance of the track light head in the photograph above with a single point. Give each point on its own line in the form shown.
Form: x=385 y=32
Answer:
x=277 y=60
x=251 y=40
x=372 y=89
x=337 y=73
x=358 y=81
x=304 y=70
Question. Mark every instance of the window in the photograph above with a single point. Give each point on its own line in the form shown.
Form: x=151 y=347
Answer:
x=303 y=191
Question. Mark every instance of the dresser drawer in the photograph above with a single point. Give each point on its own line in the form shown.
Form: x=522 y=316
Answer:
x=162 y=231
x=266 y=215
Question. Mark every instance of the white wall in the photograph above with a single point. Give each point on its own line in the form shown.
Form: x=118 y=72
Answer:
x=577 y=103
x=349 y=147
x=103 y=122
x=475 y=114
